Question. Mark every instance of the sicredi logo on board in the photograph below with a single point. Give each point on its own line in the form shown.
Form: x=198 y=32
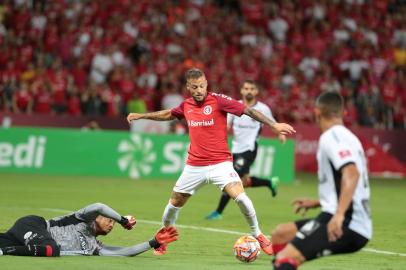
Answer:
x=25 y=154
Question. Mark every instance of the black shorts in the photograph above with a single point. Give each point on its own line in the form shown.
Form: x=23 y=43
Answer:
x=243 y=161
x=312 y=240
x=30 y=230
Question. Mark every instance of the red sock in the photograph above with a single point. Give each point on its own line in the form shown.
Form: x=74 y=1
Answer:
x=48 y=251
x=278 y=247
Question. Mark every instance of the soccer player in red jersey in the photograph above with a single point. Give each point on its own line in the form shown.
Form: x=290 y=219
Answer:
x=209 y=158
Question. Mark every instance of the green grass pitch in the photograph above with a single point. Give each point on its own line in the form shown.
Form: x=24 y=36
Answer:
x=23 y=194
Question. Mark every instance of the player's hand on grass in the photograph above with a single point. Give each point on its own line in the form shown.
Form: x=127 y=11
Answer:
x=301 y=205
x=334 y=227
x=282 y=138
x=130 y=224
x=283 y=128
x=133 y=117
x=166 y=235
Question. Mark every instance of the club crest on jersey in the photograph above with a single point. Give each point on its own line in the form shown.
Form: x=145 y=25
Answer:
x=207 y=110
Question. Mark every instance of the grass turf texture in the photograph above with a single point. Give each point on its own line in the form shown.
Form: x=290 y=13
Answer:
x=23 y=194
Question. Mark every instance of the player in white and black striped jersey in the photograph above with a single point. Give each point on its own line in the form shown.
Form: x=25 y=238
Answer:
x=344 y=224
x=244 y=145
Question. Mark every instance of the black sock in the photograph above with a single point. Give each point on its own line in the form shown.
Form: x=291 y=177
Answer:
x=260 y=182
x=285 y=266
x=31 y=250
x=223 y=202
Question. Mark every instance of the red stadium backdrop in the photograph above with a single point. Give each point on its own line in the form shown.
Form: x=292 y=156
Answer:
x=385 y=149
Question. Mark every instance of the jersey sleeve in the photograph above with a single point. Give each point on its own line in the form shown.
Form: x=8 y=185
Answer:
x=92 y=211
x=178 y=112
x=124 y=251
x=338 y=152
x=229 y=105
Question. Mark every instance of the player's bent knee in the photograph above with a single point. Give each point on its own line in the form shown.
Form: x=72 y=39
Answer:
x=179 y=199
x=176 y=202
x=284 y=233
x=234 y=189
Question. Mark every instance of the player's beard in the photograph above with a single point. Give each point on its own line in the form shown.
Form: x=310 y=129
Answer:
x=249 y=97
x=203 y=97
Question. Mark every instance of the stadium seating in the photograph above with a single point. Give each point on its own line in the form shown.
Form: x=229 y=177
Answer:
x=95 y=57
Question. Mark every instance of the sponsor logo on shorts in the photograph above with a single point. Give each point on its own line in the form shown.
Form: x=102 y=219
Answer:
x=326 y=252
x=233 y=174
x=27 y=234
x=309 y=227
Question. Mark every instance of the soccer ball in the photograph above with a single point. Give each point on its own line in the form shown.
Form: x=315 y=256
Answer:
x=246 y=249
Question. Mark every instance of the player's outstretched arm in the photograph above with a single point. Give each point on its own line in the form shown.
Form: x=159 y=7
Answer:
x=92 y=211
x=164 y=236
x=278 y=128
x=349 y=181
x=164 y=115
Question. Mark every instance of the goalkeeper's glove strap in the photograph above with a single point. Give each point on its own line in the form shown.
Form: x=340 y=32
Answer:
x=124 y=220
x=154 y=243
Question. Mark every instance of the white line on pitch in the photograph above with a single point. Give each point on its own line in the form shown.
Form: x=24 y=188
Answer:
x=383 y=252
x=372 y=250
x=193 y=227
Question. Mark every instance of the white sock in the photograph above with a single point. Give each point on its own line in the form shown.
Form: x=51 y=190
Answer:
x=170 y=214
x=247 y=209
x=1 y=252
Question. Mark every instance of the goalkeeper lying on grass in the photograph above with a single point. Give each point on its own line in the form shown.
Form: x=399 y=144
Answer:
x=75 y=234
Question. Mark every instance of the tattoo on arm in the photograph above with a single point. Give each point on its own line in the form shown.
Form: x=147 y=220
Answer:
x=164 y=115
x=260 y=117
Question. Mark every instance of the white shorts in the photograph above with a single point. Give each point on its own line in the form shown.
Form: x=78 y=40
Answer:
x=194 y=177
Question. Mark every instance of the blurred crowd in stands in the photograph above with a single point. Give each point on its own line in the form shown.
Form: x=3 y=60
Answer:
x=108 y=57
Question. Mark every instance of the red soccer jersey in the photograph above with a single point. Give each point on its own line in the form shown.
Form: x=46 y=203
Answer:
x=208 y=127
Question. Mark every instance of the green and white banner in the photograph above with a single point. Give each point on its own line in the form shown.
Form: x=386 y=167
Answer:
x=118 y=153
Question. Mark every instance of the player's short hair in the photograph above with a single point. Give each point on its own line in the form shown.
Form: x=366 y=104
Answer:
x=249 y=81
x=331 y=104
x=193 y=73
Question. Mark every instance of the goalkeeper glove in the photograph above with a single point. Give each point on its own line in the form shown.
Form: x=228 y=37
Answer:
x=166 y=235
x=128 y=222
